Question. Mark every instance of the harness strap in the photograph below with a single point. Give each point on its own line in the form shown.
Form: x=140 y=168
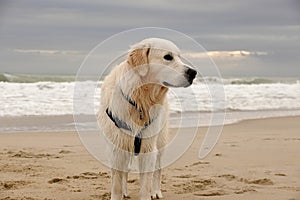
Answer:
x=137 y=143
x=133 y=103
x=121 y=124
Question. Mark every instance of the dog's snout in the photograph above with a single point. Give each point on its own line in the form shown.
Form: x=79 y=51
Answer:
x=191 y=74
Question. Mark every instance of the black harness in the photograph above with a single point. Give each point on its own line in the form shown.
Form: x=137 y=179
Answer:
x=122 y=125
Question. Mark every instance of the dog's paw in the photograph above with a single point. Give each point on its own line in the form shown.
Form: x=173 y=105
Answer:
x=116 y=197
x=145 y=198
x=157 y=195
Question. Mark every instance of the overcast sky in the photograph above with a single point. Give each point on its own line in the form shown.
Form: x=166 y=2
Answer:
x=244 y=38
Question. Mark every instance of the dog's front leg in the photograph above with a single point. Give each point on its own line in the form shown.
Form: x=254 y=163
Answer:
x=116 y=188
x=156 y=182
x=146 y=182
x=124 y=184
x=147 y=167
x=120 y=161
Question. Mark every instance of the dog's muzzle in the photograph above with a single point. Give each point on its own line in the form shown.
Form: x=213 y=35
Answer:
x=190 y=75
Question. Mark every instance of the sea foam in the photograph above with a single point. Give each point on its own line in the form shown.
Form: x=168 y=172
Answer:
x=56 y=98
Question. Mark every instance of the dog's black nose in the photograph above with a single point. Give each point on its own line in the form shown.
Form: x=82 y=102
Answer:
x=191 y=74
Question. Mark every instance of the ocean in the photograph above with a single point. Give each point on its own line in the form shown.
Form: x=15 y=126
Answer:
x=52 y=96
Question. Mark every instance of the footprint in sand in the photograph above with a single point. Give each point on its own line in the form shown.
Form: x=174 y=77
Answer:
x=57 y=180
x=280 y=174
x=289 y=188
x=264 y=181
x=238 y=190
x=89 y=175
x=132 y=181
x=24 y=154
x=211 y=193
x=12 y=185
x=244 y=190
x=228 y=177
x=186 y=176
x=193 y=186
x=65 y=152
x=105 y=196
x=197 y=163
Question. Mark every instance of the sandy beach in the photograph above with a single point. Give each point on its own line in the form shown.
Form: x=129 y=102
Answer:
x=254 y=159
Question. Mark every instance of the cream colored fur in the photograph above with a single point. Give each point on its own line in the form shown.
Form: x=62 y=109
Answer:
x=141 y=77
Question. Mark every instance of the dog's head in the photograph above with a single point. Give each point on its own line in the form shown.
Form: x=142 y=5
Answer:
x=158 y=61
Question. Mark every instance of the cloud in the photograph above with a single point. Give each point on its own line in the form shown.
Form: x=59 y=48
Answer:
x=49 y=31
x=238 y=54
x=48 y=52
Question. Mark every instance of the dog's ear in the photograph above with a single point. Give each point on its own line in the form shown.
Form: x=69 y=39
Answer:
x=139 y=58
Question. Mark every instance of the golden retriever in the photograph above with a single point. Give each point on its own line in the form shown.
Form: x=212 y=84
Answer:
x=133 y=112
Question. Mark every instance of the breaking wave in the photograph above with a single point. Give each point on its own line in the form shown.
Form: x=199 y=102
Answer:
x=28 y=78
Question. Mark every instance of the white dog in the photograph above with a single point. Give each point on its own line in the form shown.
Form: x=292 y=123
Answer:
x=134 y=111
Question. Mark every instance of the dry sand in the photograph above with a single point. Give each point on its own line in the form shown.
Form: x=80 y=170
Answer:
x=256 y=159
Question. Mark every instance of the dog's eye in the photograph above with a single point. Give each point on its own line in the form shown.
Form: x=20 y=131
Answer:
x=168 y=57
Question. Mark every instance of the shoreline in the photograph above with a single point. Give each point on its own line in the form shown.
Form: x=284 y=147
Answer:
x=243 y=165
x=171 y=128
x=57 y=123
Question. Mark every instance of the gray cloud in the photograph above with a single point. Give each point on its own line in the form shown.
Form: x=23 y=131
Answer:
x=67 y=26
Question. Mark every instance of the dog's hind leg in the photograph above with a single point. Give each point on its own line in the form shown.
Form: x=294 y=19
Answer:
x=124 y=184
